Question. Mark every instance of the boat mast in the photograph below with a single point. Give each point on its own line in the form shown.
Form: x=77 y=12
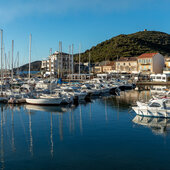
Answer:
x=58 y=61
x=50 y=68
x=69 y=62
x=61 y=61
x=18 y=63
x=5 y=66
x=12 y=59
x=1 y=56
x=3 y=59
x=30 y=58
x=89 y=65
x=72 y=61
x=9 y=63
x=79 y=59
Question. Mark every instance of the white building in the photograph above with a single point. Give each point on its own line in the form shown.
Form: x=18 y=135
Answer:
x=59 y=64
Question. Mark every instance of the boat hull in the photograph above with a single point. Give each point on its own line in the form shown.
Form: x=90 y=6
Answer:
x=43 y=101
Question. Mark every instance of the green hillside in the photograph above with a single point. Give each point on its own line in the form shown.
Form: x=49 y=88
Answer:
x=35 y=66
x=129 y=46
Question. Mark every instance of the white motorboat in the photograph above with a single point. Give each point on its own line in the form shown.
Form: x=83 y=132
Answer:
x=44 y=101
x=75 y=92
x=155 y=108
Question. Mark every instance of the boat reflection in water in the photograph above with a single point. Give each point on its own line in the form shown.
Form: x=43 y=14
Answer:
x=52 y=109
x=159 y=126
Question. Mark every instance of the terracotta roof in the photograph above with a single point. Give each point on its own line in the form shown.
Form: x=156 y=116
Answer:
x=123 y=59
x=147 y=55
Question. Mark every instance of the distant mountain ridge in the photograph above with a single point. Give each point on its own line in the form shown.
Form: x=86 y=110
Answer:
x=35 y=66
x=130 y=45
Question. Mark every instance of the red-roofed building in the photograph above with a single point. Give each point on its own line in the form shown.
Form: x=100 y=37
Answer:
x=151 y=63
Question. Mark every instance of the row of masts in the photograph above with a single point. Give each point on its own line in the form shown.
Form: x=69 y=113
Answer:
x=11 y=65
x=60 y=71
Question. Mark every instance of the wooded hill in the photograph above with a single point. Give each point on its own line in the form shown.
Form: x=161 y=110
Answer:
x=35 y=66
x=130 y=45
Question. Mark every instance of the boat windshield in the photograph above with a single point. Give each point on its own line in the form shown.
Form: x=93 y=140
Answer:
x=154 y=104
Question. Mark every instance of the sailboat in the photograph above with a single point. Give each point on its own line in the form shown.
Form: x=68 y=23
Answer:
x=3 y=99
x=44 y=99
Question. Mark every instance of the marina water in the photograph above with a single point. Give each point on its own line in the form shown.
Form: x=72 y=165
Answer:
x=100 y=134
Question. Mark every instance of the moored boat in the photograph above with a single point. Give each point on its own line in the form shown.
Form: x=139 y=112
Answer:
x=155 y=108
x=44 y=101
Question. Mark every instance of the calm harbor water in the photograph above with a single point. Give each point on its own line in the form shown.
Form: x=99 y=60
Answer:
x=101 y=134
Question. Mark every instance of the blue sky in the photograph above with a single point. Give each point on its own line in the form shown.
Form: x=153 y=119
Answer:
x=88 y=22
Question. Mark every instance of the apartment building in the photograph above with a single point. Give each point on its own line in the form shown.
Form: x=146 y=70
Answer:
x=126 y=65
x=151 y=63
x=59 y=64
